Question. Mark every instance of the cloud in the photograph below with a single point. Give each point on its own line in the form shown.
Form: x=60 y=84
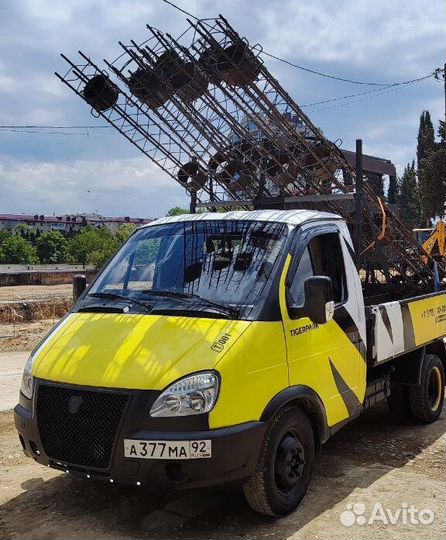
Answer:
x=8 y=85
x=365 y=40
x=89 y=185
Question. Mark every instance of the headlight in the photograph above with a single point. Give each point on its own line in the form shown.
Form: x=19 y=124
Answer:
x=195 y=394
x=28 y=379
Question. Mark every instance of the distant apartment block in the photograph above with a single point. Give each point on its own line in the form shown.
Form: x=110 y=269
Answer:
x=66 y=223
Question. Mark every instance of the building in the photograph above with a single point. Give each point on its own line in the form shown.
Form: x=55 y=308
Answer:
x=66 y=224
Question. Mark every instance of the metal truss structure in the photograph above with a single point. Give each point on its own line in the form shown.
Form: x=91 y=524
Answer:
x=207 y=111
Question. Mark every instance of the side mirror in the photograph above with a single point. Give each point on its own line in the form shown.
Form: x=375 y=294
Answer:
x=79 y=286
x=319 y=303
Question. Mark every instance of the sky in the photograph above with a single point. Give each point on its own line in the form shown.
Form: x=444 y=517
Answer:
x=364 y=40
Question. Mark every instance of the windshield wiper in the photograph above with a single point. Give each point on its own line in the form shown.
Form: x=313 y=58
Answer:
x=189 y=296
x=116 y=296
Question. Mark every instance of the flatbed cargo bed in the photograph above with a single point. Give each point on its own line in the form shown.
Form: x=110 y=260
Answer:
x=399 y=327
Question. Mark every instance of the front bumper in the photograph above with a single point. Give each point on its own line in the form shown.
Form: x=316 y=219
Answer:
x=235 y=449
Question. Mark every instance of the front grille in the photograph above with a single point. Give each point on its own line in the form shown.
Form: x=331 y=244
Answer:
x=79 y=426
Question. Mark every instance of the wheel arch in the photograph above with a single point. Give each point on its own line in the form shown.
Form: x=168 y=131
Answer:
x=439 y=349
x=408 y=367
x=309 y=402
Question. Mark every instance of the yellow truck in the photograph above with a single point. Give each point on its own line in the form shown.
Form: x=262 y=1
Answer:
x=226 y=348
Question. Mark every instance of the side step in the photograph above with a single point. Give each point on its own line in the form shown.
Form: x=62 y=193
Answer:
x=377 y=390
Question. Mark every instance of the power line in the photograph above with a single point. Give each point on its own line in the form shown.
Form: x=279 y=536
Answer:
x=378 y=93
x=42 y=129
x=297 y=66
x=375 y=90
x=35 y=129
x=383 y=85
x=32 y=132
x=54 y=127
x=321 y=74
x=13 y=129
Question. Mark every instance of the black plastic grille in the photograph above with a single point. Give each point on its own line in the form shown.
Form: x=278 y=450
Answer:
x=79 y=426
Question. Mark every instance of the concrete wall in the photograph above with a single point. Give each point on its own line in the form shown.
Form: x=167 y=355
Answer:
x=35 y=277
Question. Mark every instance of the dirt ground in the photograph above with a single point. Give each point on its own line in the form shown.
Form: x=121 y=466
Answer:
x=372 y=461
x=34 y=292
x=24 y=336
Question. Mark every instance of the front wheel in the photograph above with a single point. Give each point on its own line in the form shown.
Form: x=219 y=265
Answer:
x=285 y=464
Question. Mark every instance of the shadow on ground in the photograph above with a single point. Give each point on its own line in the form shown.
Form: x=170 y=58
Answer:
x=372 y=446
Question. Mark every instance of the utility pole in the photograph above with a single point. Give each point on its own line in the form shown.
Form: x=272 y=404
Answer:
x=358 y=202
x=437 y=74
x=444 y=86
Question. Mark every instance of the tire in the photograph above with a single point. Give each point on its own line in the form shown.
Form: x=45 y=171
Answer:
x=285 y=465
x=426 y=399
x=398 y=402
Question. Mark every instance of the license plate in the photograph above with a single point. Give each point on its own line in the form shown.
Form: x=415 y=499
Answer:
x=167 y=449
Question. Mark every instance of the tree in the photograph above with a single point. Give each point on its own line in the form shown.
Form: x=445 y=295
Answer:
x=430 y=184
x=93 y=246
x=17 y=250
x=52 y=248
x=27 y=232
x=375 y=181
x=442 y=132
x=430 y=169
x=425 y=139
x=177 y=211
x=3 y=236
x=392 y=192
x=408 y=197
x=433 y=174
x=125 y=231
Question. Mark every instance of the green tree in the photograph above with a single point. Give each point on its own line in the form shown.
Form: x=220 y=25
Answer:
x=408 y=198
x=93 y=246
x=430 y=186
x=3 y=236
x=375 y=181
x=125 y=231
x=433 y=174
x=425 y=139
x=17 y=250
x=442 y=132
x=392 y=192
x=52 y=247
x=177 y=211
x=27 y=232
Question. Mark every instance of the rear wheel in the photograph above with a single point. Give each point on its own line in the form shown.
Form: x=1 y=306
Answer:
x=285 y=464
x=426 y=399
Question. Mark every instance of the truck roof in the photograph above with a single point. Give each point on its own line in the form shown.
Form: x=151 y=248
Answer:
x=290 y=217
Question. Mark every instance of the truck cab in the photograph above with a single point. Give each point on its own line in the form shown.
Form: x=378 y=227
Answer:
x=213 y=348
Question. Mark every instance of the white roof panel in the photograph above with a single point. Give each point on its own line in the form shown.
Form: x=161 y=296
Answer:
x=290 y=217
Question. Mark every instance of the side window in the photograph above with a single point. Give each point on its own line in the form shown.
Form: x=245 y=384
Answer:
x=304 y=271
x=327 y=258
x=322 y=257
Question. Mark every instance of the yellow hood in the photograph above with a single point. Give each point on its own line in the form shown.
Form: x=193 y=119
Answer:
x=133 y=351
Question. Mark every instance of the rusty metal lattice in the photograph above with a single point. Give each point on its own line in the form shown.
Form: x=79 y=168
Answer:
x=205 y=109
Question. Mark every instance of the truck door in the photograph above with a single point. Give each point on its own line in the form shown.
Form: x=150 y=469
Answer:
x=327 y=358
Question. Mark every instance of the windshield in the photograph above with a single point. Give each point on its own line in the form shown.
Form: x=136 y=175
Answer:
x=223 y=261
